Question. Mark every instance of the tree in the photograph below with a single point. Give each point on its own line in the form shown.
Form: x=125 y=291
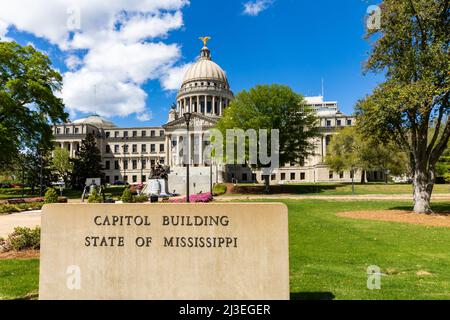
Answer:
x=349 y=150
x=33 y=169
x=412 y=48
x=28 y=103
x=61 y=164
x=273 y=107
x=88 y=162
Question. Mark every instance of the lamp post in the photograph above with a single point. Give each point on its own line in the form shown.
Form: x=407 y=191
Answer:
x=187 y=118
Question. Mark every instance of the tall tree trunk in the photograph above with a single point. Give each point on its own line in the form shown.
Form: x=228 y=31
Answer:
x=423 y=187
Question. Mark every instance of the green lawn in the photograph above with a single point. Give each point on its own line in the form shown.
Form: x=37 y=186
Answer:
x=331 y=189
x=329 y=255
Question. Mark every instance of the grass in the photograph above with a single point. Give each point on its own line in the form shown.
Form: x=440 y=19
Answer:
x=19 y=278
x=333 y=189
x=113 y=191
x=329 y=255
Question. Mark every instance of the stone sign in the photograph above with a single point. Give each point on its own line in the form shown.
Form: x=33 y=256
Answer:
x=221 y=251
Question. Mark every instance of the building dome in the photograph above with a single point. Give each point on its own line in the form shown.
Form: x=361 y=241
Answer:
x=205 y=69
x=97 y=121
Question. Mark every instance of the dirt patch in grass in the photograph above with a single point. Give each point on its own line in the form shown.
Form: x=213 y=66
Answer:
x=24 y=254
x=434 y=220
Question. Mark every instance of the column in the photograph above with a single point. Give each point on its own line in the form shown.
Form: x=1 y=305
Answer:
x=177 y=158
x=198 y=104
x=213 y=109
x=191 y=109
x=220 y=106
x=201 y=160
x=206 y=104
x=191 y=152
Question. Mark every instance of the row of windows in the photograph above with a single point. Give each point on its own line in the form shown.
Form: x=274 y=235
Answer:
x=134 y=179
x=134 y=134
x=283 y=175
x=68 y=130
x=339 y=122
x=134 y=164
x=341 y=175
x=134 y=148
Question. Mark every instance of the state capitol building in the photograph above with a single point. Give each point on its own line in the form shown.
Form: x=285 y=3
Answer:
x=129 y=153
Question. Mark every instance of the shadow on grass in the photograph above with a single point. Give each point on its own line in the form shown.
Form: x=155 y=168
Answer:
x=440 y=208
x=312 y=296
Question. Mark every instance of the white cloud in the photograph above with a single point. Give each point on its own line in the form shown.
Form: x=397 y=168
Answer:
x=4 y=31
x=253 y=8
x=172 y=78
x=112 y=51
x=146 y=116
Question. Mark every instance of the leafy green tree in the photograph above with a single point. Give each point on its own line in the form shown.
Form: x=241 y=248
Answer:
x=273 y=107
x=61 y=164
x=351 y=151
x=28 y=104
x=127 y=197
x=412 y=49
x=88 y=162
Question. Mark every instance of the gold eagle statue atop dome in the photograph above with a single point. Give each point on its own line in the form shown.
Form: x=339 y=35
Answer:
x=205 y=40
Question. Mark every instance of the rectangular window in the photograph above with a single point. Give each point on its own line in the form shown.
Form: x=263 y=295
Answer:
x=161 y=147
x=134 y=179
x=292 y=175
x=330 y=175
x=58 y=130
x=341 y=175
x=134 y=134
x=67 y=130
x=144 y=164
x=116 y=148
x=144 y=133
x=244 y=177
x=107 y=179
x=77 y=130
x=328 y=123
x=161 y=161
x=152 y=163
x=339 y=123
x=144 y=178
x=273 y=177
x=349 y=122
x=134 y=163
x=125 y=134
x=283 y=176
x=116 y=166
x=107 y=134
x=108 y=148
x=107 y=165
x=116 y=178
x=134 y=148
x=125 y=164
x=125 y=178
x=125 y=148
x=161 y=133
x=143 y=148
x=302 y=176
x=351 y=174
x=152 y=148
x=116 y=134
x=152 y=133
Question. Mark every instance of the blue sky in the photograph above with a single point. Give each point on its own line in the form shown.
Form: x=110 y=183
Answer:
x=291 y=42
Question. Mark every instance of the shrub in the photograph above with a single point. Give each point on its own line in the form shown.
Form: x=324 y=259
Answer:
x=195 y=198
x=219 y=189
x=23 y=238
x=95 y=197
x=8 y=208
x=51 y=196
x=141 y=198
x=127 y=197
x=11 y=208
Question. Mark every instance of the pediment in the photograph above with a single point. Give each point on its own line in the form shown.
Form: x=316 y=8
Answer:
x=197 y=120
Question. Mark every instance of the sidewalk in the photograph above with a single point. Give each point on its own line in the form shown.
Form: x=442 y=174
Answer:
x=28 y=219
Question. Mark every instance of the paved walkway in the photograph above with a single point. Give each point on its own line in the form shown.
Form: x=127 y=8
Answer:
x=362 y=197
x=28 y=219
